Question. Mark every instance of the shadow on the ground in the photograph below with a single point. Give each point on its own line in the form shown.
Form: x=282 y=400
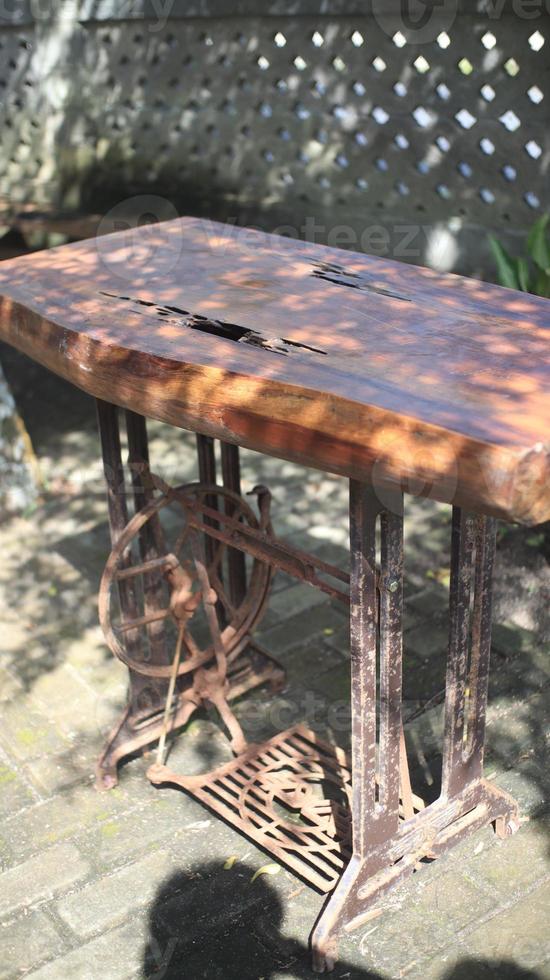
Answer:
x=477 y=969
x=218 y=924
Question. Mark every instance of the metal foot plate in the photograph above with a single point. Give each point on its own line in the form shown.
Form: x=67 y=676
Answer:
x=291 y=795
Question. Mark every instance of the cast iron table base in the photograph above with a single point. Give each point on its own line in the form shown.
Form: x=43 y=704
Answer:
x=353 y=828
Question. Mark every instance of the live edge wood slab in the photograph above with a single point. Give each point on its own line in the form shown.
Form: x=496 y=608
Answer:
x=360 y=366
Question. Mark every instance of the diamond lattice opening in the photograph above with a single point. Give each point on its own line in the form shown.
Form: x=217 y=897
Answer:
x=535 y=94
x=488 y=92
x=465 y=66
x=488 y=40
x=422 y=116
x=421 y=64
x=511 y=67
x=533 y=149
x=510 y=121
x=536 y=41
x=465 y=118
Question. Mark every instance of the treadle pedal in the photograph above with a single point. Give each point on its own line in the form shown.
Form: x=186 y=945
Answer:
x=291 y=795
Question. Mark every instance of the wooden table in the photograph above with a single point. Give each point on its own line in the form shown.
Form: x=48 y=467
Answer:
x=401 y=380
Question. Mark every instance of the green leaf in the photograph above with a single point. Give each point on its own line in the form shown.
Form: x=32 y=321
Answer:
x=267 y=869
x=541 y=285
x=535 y=540
x=522 y=268
x=538 y=245
x=506 y=266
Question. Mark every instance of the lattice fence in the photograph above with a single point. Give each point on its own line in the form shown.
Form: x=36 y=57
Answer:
x=413 y=147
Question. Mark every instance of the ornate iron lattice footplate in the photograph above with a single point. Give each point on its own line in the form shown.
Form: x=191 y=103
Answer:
x=291 y=795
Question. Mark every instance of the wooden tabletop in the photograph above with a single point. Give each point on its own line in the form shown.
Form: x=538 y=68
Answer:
x=357 y=365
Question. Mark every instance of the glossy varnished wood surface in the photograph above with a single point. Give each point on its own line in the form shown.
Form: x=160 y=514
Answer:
x=361 y=366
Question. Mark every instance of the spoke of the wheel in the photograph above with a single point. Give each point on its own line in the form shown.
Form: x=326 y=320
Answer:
x=210 y=609
x=217 y=557
x=169 y=698
x=146 y=566
x=222 y=595
x=181 y=539
x=143 y=621
x=194 y=650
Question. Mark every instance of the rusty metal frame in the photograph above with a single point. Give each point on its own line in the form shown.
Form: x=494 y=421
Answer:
x=292 y=770
x=362 y=847
x=364 y=843
x=385 y=851
x=140 y=724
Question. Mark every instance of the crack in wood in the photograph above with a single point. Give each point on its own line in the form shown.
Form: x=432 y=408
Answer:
x=221 y=328
x=338 y=276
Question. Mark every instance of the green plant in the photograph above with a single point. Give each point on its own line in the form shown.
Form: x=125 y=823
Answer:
x=530 y=273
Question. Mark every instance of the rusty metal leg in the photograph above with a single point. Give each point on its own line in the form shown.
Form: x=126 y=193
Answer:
x=207 y=474
x=375 y=801
x=472 y=556
x=151 y=536
x=141 y=723
x=142 y=717
x=231 y=475
x=384 y=850
x=392 y=758
x=255 y=666
x=109 y=432
x=462 y=554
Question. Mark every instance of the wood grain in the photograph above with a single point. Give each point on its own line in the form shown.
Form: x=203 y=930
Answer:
x=356 y=365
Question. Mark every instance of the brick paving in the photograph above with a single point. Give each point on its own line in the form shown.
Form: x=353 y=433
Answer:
x=133 y=883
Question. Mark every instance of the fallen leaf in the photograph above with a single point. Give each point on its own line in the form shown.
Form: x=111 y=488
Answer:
x=373 y=914
x=198 y=825
x=230 y=862
x=328 y=631
x=266 y=869
x=441 y=575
